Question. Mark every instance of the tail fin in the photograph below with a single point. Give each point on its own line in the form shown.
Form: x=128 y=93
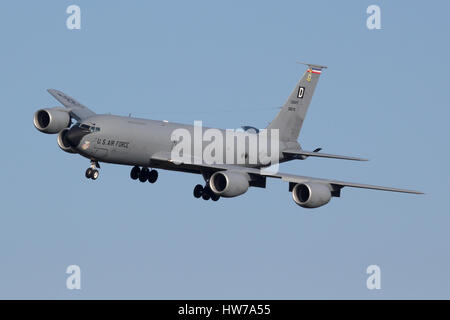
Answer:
x=290 y=119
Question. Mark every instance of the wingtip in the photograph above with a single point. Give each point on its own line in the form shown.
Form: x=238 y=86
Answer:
x=356 y=159
x=413 y=192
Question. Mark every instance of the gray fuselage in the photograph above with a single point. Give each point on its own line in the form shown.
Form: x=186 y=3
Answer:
x=133 y=141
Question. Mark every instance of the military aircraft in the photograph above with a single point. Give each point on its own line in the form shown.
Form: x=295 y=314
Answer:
x=147 y=145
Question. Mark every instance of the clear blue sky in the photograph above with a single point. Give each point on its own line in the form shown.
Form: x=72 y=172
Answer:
x=385 y=96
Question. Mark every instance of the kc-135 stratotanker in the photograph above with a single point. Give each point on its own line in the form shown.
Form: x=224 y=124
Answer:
x=147 y=145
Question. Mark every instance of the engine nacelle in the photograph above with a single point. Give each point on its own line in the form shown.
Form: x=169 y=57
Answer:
x=62 y=141
x=311 y=195
x=51 y=120
x=229 y=183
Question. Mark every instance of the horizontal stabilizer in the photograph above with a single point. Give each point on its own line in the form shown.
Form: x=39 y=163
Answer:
x=299 y=153
x=311 y=65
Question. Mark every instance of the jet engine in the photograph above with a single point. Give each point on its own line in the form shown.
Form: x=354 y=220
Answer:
x=62 y=141
x=311 y=195
x=51 y=120
x=229 y=183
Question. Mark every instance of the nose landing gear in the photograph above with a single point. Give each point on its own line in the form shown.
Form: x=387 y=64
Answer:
x=92 y=172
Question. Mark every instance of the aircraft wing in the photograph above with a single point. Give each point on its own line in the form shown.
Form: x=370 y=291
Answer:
x=163 y=159
x=341 y=184
x=294 y=153
x=77 y=110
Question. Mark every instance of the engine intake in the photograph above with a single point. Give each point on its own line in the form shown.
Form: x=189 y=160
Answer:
x=311 y=195
x=229 y=183
x=51 y=120
x=63 y=143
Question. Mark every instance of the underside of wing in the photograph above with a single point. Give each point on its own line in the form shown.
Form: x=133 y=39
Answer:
x=192 y=164
x=227 y=180
x=311 y=192
x=335 y=184
x=163 y=159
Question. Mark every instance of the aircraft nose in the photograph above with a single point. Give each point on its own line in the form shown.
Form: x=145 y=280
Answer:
x=74 y=136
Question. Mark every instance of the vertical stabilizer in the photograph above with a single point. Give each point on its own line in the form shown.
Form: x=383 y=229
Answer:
x=290 y=119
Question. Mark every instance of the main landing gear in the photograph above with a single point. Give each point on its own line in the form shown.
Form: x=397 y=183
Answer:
x=144 y=174
x=205 y=193
x=92 y=172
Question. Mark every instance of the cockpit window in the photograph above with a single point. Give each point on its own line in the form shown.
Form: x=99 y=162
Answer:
x=88 y=127
x=84 y=126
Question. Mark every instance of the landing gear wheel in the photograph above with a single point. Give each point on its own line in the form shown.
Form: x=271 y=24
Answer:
x=153 y=176
x=95 y=174
x=207 y=192
x=134 y=174
x=143 y=175
x=214 y=197
x=88 y=173
x=92 y=172
x=206 y=195
x=198 y=191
